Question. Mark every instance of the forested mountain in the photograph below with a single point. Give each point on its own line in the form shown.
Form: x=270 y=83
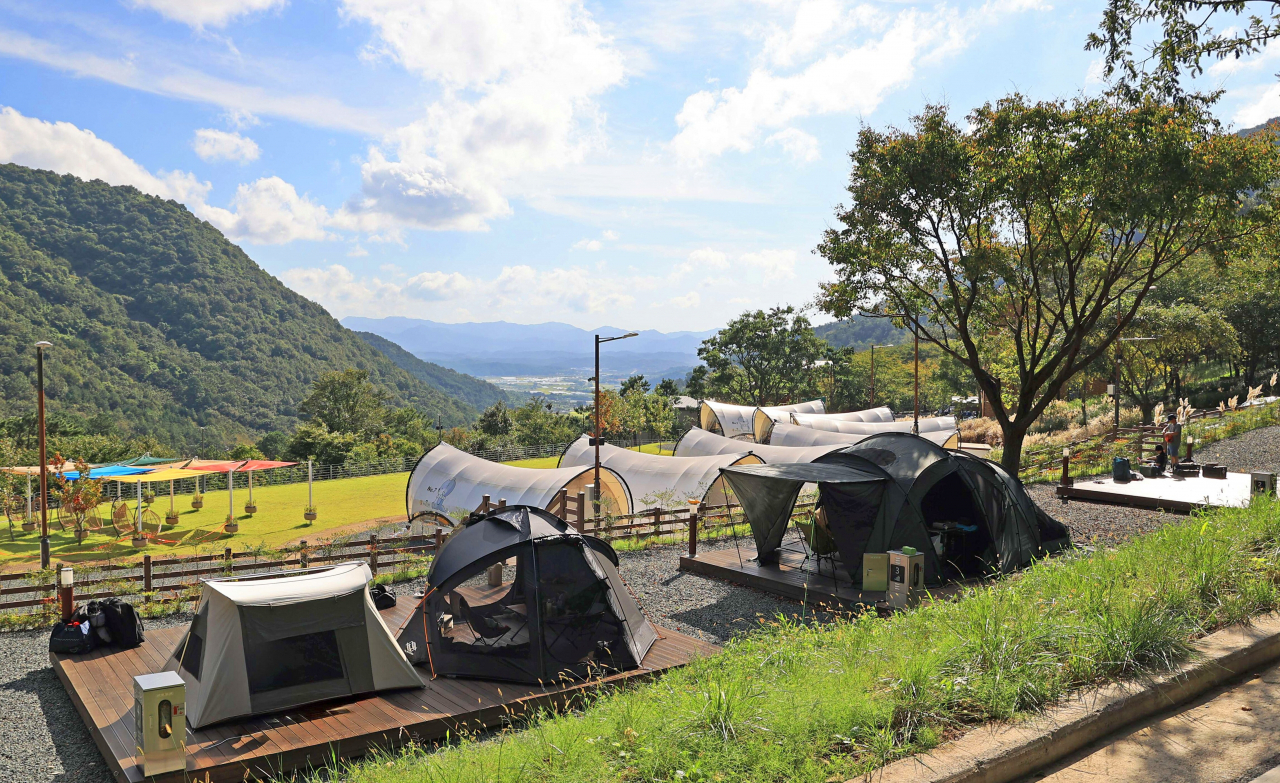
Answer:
x=861 y=333
x=160 y=323
x=480 y=394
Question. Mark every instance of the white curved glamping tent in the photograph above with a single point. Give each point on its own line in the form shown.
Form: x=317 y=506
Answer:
x=796 y=436
x=766 y=418
x=831 y=424
x=447 y=483
x=662 y=482
x=700 y=443
x=738 y=421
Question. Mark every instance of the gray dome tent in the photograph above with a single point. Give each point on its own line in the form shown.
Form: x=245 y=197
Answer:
x=896 y=489
x=566 y=613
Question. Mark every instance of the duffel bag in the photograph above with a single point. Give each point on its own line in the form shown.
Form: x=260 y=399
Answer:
x=383 y=597
x=123 y=622
x=74 y=638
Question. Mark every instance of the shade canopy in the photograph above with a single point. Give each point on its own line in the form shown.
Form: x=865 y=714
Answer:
x=271 y=642
x=34 y=470
x=447 y=483
x=106 y=471
x=656 y=481
x=738 y=421
x=565 y=615
x=764 y=417
x=147 y=461
x=215 y=465
x=966 y=515
x=166 y=474
x=700 y=443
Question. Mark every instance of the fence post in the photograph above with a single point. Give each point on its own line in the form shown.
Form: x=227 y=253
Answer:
x=502 y=502
x=582 y=512
x=657 y=521
x=226 y=556
x=304 y=557
x=146 y=573
x=439 y=539
x=563 y=498
x=484 y=503
x=373 y=553
x=693 y=531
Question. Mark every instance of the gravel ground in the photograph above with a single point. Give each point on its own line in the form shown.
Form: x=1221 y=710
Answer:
x=44 y=739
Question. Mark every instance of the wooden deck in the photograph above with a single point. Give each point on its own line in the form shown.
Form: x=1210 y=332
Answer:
x=101 y=687
x=795 y=578
x=1179 y=495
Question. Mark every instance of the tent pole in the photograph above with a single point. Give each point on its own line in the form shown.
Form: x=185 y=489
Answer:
x=171 y=494
x=139 y=520
x=251 y=487
x=28 y=497
x=231 y=495
x=310 y=500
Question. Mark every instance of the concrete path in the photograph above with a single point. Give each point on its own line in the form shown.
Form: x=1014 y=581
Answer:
x=1231 y=735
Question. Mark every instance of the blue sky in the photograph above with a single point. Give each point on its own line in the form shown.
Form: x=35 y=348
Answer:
x=652 y=164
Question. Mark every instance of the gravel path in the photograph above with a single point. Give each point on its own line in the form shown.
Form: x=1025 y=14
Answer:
x=44 y=739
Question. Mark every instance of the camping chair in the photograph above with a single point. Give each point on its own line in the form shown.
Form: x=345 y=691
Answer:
x=486 y=627
x=818 y=541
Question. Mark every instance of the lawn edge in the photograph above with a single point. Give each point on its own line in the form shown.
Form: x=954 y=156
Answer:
x=1005 y=752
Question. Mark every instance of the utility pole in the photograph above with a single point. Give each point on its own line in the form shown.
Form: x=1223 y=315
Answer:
x=915 y=426
x=872 y=400
x=44 y=456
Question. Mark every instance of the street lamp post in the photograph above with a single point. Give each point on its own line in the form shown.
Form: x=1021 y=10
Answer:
x=596 y=440
x=915 y=425
x=44 y=457
x=872 y=402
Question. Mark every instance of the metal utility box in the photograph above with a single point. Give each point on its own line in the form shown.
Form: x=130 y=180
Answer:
x=906 y=578
x=1262 y=483
x=160 y=722
x=875 y=571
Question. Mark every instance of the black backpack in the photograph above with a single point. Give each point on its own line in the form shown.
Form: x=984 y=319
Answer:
x=383 y=597
x=122 y=622
x=72 y=637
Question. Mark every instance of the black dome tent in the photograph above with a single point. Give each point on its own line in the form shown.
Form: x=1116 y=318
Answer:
x=566 y=613
x=896 y=489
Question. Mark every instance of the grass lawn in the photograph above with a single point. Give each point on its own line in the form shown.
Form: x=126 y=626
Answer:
x=340 y=503
x=809 y=702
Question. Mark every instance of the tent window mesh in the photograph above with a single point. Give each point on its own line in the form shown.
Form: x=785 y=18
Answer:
x=489 y=620
x=577 y=621
x=293 y=661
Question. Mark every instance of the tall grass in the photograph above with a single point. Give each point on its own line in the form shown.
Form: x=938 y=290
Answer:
x=809 y=702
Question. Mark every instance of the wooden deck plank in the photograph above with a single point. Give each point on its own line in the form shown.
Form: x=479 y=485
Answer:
x=1176 y=495
x=101 y=688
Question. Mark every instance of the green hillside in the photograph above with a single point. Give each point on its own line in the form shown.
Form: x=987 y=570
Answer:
x=861 y=333
x=480 y=394
x=158 y=322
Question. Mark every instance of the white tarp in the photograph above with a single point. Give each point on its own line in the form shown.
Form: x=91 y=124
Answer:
x=765 y=418
x=738 y=421
x=700 y=443
x=260 y=645
x=447 y=483
x=661 y=482
x=796 y=436
x=830 y=424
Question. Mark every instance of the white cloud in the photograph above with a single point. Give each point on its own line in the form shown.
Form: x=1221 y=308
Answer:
x=517 y=82
x=270 y=212
x=798 y=145
x=829 y=61
x=775 y=264
x=691 y=299
x=357 y=251
x=611 y=236
x=343 y=294
x=211 y=144
x=436 y=286
x=706 y=257
x=587 y=244
x=67 y=149
x=211 y=13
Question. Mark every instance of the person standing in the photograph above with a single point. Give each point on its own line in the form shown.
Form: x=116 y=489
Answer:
x=1173 y=438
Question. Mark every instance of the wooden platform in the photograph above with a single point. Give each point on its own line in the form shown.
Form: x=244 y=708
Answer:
x=101 y=687
x=1181 y=495
x=793 y=577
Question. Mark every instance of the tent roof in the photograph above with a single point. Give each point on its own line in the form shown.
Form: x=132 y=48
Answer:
x=833 y=424
x=500 y=529
x=700 y=443
x=146 y=460
x=215 y=465
x=796 y=436
x=808 y=472
x=263 y=464
x=649 y=474
x=903 y=455
x=165 y=474
x=107 y=471
x=296 y=586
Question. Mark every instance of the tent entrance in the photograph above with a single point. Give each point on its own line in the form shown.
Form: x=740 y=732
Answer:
x=480 y=620
x=957 y=528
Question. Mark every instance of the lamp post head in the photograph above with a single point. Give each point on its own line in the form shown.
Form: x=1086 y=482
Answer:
x=44 y=344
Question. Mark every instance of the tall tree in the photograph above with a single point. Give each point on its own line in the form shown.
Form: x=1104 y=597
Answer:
x=762 y=357
x=346 y=402
x=1032 y=237
x=1151 y=370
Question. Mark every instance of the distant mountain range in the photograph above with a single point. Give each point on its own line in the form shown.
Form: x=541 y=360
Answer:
x=480 y=394
x=499 y=348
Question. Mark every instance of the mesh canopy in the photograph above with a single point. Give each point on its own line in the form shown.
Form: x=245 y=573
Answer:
x=660 y=482
x=448 y=483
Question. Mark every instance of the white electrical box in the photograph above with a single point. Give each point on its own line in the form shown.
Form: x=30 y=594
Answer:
x=160 y=722
x=1262 y=483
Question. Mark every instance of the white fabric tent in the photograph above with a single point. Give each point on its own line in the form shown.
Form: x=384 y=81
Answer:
x=738 y=421
x=796 y=436
x=765 y=418
x=448 y=483
x=931 y=424
x=700 y=443
x=661 y=482
x=265 y=643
